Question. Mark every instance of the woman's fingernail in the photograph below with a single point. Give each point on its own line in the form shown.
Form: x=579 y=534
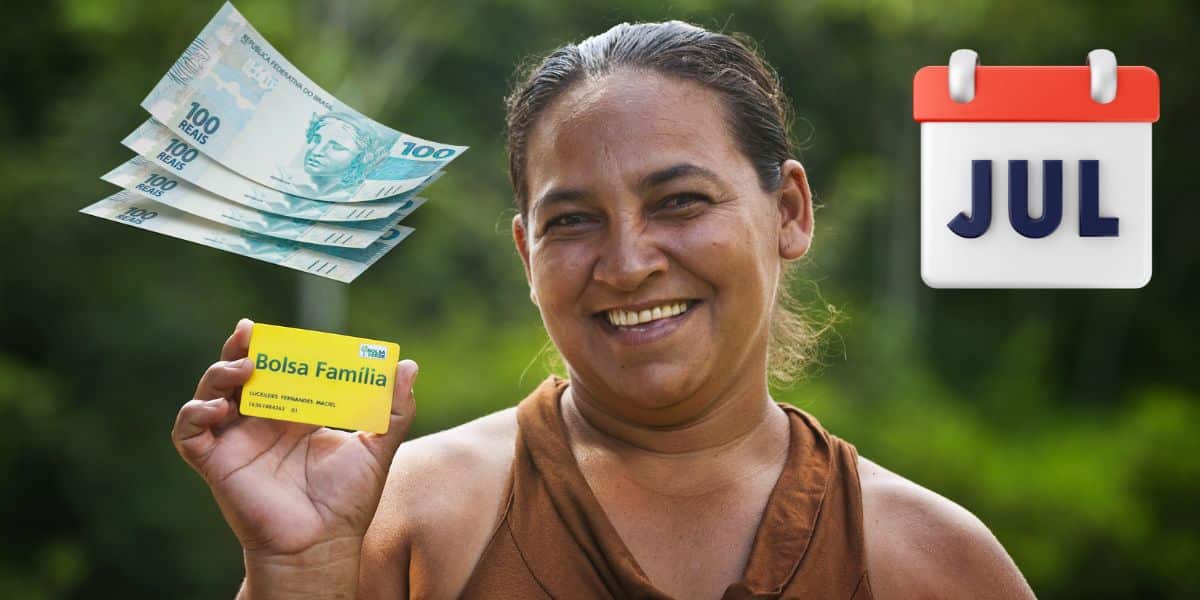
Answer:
x=241 y=363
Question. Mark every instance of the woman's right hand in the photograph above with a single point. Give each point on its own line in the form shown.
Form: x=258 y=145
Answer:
x=293 y=493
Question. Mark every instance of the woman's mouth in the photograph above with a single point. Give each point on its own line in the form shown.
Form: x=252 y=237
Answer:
x=646 y=323
x=627 y=318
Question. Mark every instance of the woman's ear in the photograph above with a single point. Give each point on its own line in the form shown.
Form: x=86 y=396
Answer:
x=520 y=238
x=795 y=211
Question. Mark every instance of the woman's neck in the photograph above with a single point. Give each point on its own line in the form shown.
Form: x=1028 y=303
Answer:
x=744 y=434
x=737 y=413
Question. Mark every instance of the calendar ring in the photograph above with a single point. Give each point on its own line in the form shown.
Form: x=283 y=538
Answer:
x=962 y=75
x=1102 y=65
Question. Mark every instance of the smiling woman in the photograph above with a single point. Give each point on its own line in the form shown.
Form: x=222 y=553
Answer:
x=659 y=207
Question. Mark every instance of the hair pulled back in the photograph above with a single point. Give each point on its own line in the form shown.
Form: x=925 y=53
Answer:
x=758 y=112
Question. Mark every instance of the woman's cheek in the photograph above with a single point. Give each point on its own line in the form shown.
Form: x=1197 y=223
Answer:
x=560 y=274
x=716 y=250
x=727 y=255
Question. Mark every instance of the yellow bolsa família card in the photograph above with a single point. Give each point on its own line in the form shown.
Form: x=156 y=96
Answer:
x=320 y=378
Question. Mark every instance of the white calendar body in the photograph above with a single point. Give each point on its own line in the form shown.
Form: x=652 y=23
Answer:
x=1004 y=258
x=1036 y=177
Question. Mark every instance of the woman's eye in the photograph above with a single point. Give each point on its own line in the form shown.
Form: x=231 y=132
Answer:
x=682 y=201
x=566 y=220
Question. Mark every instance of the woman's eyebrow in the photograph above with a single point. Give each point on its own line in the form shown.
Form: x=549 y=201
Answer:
x=662 y=176
x=656 y=178
x=557 y=195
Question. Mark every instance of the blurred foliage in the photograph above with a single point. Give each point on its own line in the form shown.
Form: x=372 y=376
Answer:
x=1065 y=419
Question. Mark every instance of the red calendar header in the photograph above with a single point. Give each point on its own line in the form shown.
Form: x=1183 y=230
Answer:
x=1036 y=94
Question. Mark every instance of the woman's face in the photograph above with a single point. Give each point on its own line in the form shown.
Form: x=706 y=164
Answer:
x=651 y=249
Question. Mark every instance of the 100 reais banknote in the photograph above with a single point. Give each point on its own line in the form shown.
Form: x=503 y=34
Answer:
x=244 y=153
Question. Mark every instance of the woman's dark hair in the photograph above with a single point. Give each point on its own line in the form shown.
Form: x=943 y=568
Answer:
x=758 y=115
x=758 y=112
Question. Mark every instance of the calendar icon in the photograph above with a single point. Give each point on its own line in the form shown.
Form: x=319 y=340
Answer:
x=1035 y=177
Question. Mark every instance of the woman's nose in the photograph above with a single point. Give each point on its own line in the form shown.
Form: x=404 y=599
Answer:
x=629 y=257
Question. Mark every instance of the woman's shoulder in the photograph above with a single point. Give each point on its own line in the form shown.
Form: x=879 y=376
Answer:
x=457 y=470
x=442 y=501
x=465 y=455
x=921 y=544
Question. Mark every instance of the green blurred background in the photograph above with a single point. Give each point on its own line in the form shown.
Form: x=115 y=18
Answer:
x=1065 y=419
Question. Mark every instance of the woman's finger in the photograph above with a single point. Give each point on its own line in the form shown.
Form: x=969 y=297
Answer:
x=238 y=344
x=403 y=407
x=192 y=435
x=223 y=379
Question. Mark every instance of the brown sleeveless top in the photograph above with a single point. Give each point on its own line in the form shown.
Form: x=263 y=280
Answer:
x=553 y=539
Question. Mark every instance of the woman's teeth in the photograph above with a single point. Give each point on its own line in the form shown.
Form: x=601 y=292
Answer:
x=622 y=318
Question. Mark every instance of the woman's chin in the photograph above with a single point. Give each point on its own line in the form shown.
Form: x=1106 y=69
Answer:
x=654 y=388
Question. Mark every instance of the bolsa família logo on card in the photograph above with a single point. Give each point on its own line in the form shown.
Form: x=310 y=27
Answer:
x=1066 y=153
x=366 y=375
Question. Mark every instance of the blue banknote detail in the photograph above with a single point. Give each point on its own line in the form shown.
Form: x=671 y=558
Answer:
x=158 y=144
x=344 y=264
x=144 y=177
x=376 y=224
x=192 y=62
x=253 y=245
x=229 y=98
x=395 y=168
x=366 y=253
x=340 y=149
x=260 y=223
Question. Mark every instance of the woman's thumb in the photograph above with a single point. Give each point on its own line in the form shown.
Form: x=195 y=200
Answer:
x=384 y=445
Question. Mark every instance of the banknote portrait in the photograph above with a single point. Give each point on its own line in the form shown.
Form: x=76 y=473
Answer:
x=340 y=149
